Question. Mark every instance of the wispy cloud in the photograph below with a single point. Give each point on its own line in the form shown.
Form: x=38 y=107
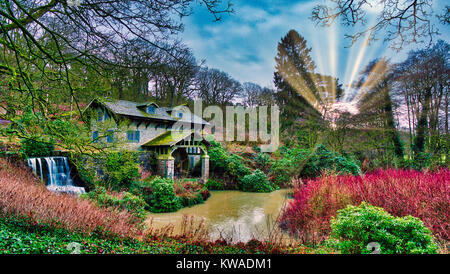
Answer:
x=244 y=44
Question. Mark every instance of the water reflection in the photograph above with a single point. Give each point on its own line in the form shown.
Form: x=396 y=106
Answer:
x=235 y=215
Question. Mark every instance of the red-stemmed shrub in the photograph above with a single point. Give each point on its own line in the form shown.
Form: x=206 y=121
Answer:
x=425 y=195
x=24 y=196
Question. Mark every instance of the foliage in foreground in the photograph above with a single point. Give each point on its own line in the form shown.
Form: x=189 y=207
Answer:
x=35 y=220
x=424 y=195
x=357 y=226
x=23 y=236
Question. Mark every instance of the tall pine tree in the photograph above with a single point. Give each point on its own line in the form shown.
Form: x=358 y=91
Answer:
x=296 y=92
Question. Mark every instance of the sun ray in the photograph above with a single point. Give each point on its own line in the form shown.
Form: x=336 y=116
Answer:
x=297 y=82
x=332 y=34
x=356 y=66
x=374 y=75
x=320 y=69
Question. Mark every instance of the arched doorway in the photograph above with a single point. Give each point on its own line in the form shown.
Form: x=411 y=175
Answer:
x=181 y=162
x=188 y=161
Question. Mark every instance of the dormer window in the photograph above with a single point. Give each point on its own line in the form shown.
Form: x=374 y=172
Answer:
x=102 y=115
x=151 y=109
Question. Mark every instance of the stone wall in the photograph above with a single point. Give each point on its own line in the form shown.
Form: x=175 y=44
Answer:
x=166 y=167
x=205 y=168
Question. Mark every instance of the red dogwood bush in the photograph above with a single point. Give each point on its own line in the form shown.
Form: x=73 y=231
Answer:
x=425 y=195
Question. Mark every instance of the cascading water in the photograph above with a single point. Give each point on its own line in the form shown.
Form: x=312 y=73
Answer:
x=55 y=172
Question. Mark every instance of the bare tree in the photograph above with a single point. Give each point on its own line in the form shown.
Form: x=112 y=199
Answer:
x=216 y=87
x=251 y=94
x=423 y=80
x=176 y=76
x=404 y=21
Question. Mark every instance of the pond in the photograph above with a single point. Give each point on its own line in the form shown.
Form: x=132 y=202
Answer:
x=233 y=215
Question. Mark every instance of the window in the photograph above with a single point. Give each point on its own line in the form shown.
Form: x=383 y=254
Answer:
x=180 y=114
x=151 y=109
x=100 y=115
x=95 y=136
x=110 y=137
x=191 y=162
x=133 y=136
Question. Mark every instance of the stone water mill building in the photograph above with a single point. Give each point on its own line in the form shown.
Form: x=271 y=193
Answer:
x=147 y=127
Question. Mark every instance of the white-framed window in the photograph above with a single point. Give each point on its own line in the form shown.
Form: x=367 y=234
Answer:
x=134 y=136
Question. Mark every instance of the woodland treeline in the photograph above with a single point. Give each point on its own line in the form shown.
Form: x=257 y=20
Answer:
x=402 y=108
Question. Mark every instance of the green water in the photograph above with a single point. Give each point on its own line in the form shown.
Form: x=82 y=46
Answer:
x=239 y=216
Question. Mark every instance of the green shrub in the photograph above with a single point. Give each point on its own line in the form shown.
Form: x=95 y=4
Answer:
x=114 y=170
x=190 y=192
x=120 y=169
x=263 y=161
x=37 y=147
x=222 y=162
x=161 y=197
x=256 y=182
x=357 y=226
x=217 y=157
x=307 y=163
x=188 y=200
x=235 y=166
x=215 y=184
x=425 y=160
x=323 y=159
x=125 y=201
x=86 y=168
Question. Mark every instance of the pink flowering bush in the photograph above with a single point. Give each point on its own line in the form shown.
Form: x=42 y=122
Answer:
x=425 y=195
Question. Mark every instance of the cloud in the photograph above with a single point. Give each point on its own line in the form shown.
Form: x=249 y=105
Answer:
x=244 y=44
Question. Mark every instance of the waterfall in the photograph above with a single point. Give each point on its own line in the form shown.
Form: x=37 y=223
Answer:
x=55 y=172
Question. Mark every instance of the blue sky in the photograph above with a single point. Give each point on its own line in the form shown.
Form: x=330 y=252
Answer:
x=244 y=44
